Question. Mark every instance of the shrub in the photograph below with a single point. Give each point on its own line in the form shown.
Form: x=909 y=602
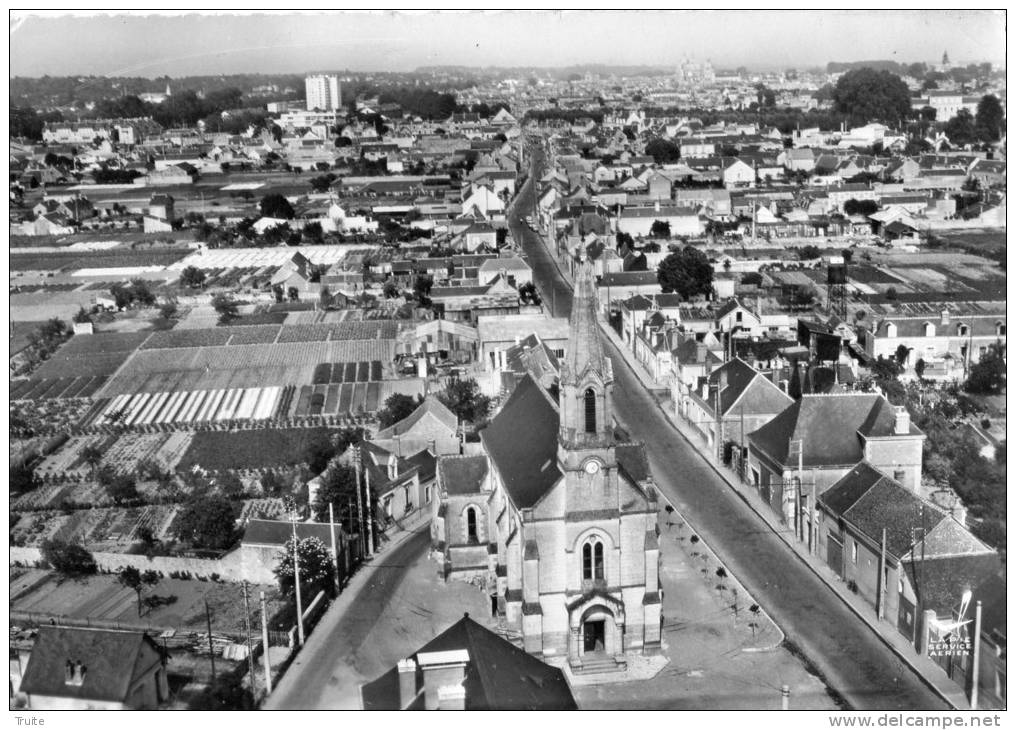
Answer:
x=68 y=558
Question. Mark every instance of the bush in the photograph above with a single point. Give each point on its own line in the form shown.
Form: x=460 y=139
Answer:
x=68 y=558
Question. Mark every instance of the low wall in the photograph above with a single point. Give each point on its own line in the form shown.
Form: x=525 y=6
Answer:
x=231 y=567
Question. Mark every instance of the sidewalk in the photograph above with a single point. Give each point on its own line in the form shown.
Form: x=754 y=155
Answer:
x=925 y=667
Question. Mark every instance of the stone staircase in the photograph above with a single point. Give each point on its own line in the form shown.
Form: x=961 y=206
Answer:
x=598 y=664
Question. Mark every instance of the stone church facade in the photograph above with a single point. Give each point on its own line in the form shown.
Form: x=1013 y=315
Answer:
x=557 y=520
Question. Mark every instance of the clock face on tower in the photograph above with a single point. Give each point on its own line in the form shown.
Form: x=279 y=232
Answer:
x=592 y=466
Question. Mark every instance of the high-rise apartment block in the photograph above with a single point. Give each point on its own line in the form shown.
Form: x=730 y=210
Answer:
x=323 y=92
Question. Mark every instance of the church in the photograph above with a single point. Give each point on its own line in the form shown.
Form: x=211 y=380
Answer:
x=557 y=518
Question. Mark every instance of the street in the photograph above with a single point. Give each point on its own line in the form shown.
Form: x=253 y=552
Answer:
x=853 y=661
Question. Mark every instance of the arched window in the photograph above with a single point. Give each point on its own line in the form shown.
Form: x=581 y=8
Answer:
x=472 y=534
x=590 y=404
x=592 y=560
x=999 y=329
x=929 y=329
x=963 y=330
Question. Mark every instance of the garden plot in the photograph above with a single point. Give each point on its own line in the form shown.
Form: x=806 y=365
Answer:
x=249 y=257
x=189 y=407
x=247 y=450
x=236 y=366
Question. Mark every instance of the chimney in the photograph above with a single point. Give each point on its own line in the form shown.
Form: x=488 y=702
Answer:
x=69 y=672
x=705 y=388
x=945 y=316
x=784 y=385
x=700 y=352
x=444 y=671
x=812 y=346
x=656 y=205
x=902 y=424
x=723 y=378
x=407 y=682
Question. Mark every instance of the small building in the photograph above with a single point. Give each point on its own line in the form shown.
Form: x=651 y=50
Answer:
x=734 y=400
x=73 y=668
x=431 y=426
x=469 y=667
x=820 y=438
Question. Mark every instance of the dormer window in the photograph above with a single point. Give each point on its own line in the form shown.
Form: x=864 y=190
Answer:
x=393 y=467
x=929 y=329
x=999 y=329
x=963 y=330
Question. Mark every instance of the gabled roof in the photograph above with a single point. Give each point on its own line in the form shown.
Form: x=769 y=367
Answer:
x=279 y=532
x=839 y=419
x=498 y=675
x=430 y=407
x=872 y=502
x=940 y=582
x=110 y=659
x=522 y=442
x=461 y=474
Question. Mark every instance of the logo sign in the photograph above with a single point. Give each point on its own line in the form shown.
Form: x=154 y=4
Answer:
x=951 y=646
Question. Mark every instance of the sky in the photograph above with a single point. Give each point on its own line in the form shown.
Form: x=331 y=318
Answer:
x=191 y=44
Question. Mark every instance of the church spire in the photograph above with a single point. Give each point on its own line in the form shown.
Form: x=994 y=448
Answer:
x=585 y=351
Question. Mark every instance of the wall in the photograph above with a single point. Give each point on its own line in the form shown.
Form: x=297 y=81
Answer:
x=245 y=563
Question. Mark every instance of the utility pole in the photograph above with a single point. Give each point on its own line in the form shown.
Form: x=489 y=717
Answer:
x=719 y=424
x=250 y=648
x=370 y=514
x=264 y=646
x=975 y=669
x=211 y=647
x=335 y=552
x=296 y=581
x=880 y=594
x=359 y=499
x=813 y=532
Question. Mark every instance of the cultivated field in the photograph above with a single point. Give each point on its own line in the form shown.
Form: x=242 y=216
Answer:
x=245 y=450
x=237 y=366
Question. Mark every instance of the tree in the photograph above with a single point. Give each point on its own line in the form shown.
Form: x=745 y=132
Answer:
x=23 y=478
x=902 y=353
x=808 y=253
x=464 y=399
x=421 y=289
x=528 y=294
x=866 y=95
x=891 y=293
x=338 y=487
x=397 y=407
x=390 y=289
x=660 y=229
x=860 y=207
x=208 y=523
x=131 y=577
x=293 y=293
x=990 y=118
x=122 y=488
x=663 y=151
x=275 y=205
x=230 y=485
x=192 y=277
x=225 y=306
x=67 y=558
x=687 y=272
x=961 y=129
x=988 y=375
x=317 y=569
x=752 y=278
x=82 y=316
x=169 y=309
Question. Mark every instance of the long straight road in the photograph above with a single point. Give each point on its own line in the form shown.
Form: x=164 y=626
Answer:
x=853 y=661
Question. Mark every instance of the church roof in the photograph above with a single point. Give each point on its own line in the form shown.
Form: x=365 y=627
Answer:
x=522 y=443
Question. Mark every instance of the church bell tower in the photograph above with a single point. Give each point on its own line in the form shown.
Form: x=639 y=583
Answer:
x=587 y=380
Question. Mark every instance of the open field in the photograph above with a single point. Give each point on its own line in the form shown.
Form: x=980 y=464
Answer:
x=102 y=597
x=99 y=260
x=257 y=449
